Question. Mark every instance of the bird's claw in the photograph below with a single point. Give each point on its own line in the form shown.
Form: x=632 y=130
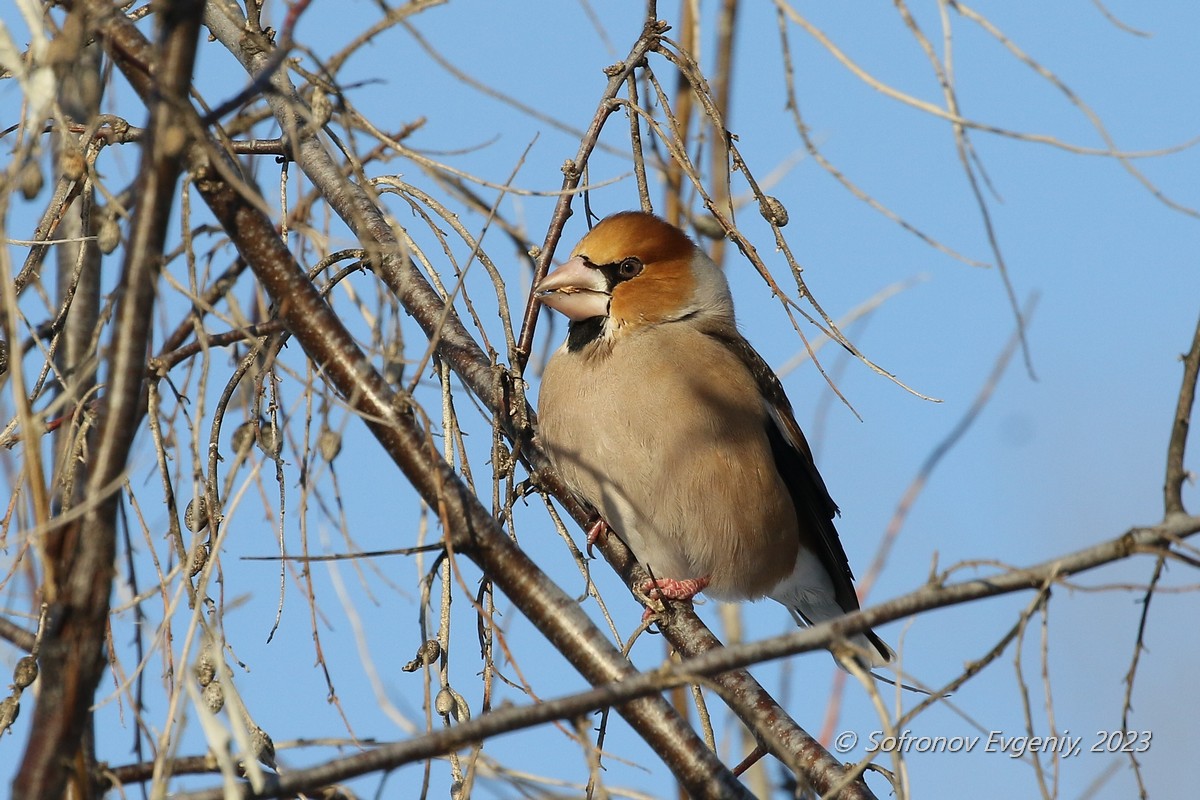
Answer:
x=673 y=589
x=595 y=532
x=658 y=590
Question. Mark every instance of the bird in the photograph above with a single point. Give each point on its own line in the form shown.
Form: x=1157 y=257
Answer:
x=658 y=413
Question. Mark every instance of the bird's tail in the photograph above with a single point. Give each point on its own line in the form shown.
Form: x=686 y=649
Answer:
x=807 y=610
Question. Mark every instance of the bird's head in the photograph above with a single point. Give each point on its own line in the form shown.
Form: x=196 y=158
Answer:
x=634 y=269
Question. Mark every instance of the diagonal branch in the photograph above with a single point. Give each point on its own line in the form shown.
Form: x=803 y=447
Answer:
x=358 y=210
x=469 y=527
x=455 y=346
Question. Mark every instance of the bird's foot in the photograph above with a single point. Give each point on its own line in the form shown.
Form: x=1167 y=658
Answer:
x=672 y=589
x=659 y=589
x=595 y=532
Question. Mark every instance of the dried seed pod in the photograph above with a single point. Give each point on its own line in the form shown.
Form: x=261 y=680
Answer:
x=427 y=653
x=444 y=703
x=261 y=746
x=450 y=702
x=502 y=459
x=322 y=108
x=329 y=443
x=25 y=672
x=214 y=696
x=72 y=163
x=3 y=356
x=270 y=439
x=708 y=227
x=30 y=179
x=109 y=235
x=206 y=670
x=243 y=438
x=199 y=559
x=773 y=211
x=10 y=709
x=196 y=514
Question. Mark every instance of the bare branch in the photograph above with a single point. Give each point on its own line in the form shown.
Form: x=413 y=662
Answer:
x=1180 y=425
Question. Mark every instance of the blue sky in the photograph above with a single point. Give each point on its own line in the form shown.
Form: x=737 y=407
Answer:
x=1054 y=464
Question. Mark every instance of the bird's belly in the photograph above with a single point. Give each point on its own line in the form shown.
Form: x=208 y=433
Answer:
x=686 y=511
x=743 y=557
x=679 y=465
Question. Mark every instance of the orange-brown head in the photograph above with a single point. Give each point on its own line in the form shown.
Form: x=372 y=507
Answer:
x=634 y=269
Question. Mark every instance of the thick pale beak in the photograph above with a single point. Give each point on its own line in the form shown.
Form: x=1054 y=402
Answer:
x=575 y=290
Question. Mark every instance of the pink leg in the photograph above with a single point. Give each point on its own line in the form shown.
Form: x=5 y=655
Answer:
x=671 y=589
x=595 y=532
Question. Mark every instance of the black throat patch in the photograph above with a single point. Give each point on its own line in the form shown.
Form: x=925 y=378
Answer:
x=582 y=333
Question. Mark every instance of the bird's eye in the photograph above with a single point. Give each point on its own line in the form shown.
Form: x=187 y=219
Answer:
x=629 y=268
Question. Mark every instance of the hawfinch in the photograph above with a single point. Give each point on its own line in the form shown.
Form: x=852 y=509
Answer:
x=663 y=417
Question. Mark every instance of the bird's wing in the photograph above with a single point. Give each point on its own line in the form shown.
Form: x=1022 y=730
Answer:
x=815 y=509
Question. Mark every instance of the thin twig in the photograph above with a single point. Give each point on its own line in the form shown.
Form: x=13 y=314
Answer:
x=1180 y=425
